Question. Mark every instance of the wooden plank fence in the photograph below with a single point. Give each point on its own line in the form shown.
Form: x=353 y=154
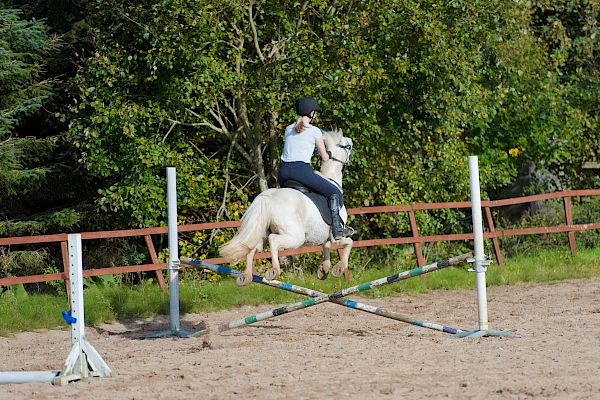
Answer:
x=415 y=239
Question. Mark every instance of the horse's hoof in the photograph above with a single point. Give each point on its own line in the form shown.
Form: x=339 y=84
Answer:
x=322 y=273
x=243 y=280
x=337 y=270
x=271 y=274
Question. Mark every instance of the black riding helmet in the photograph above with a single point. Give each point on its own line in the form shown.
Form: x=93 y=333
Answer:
x=305 y=105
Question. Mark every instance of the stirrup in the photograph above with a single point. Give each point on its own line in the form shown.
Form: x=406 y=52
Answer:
x=346 y=232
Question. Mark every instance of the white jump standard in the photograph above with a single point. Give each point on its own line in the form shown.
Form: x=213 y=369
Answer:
x=83 y=361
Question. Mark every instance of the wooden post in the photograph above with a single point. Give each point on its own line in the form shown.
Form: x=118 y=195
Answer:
x=415 y=232
x=64 y=251
x=495 y=241
x=159 y=276
x=569 y=220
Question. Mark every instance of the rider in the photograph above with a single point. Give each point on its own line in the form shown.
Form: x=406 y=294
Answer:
x=299 y=143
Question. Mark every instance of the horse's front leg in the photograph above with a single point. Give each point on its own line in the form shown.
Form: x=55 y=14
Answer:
x=281 y=241
x=342 y=266
x=323 y=270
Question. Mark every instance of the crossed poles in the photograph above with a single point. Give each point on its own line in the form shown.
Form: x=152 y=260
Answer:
x=317 y=297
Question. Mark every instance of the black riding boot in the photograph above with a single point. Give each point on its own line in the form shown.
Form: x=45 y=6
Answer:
x=337 y=226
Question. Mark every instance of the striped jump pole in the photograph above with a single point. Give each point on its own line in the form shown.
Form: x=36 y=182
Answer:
x=338 y=297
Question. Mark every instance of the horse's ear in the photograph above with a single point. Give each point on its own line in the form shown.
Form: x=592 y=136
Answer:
x=341 y=133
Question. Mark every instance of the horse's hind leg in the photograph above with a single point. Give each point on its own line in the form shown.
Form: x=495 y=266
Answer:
x=342 y=266
x=323 y=269
x=250 y=269
x=279 y=242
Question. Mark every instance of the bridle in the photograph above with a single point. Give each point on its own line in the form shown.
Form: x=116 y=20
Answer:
x=348 y=149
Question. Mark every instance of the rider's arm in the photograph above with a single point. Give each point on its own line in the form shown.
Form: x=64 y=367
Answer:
x=321 y=147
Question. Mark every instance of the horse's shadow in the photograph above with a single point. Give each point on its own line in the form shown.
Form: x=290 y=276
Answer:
x=144 y=329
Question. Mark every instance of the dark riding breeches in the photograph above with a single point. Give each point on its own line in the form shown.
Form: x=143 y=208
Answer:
x=303 y=173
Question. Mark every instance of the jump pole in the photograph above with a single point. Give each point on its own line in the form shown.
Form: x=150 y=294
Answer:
x=173 y=263
x=337 y=298
x=83 y=361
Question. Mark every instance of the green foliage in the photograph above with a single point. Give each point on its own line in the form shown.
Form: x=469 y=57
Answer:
x=62 y=219
x=28 y=313
x=34 y=261
x=35 y=186
x=571 y=33
x=25 y=262
x=31 y=185
x=208 y=87
x=551 y=213
x=23 y=46
x=14 y=178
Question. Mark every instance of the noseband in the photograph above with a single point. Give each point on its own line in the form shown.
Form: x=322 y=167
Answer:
x=348 y=148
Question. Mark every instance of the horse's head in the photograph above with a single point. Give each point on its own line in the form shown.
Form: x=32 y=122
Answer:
x=339 y=145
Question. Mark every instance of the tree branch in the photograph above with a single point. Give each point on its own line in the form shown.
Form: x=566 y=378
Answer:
x=277 y=46
x=223 y=207
x=255 y=33
x=208 y=124
x=222 y=130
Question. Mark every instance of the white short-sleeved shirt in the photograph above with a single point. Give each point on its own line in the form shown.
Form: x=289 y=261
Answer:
x=300 y=146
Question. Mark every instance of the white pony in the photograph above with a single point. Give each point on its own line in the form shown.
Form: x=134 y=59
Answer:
x=288 y=219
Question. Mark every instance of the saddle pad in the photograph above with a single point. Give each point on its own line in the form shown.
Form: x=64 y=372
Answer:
x=318 y=199
x=322 y=205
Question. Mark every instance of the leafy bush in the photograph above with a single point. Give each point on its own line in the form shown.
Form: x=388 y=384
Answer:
x=551 y=213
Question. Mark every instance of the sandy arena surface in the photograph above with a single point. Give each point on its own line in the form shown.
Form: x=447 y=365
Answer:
x=331 y=352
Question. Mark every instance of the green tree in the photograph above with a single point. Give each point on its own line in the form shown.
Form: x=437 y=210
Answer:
x=31 y=167
x=25 y=44
x=571 y=33
x=208 y=86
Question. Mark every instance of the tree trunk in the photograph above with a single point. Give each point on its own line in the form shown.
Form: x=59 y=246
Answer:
x=273 y=145
x=260 y=169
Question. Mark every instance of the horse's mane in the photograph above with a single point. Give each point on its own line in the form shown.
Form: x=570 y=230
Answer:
x=332 y=137
x=336 y=132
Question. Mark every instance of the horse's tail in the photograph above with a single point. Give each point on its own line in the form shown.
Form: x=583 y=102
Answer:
x=255 y=223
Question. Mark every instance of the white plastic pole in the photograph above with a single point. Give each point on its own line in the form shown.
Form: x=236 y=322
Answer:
x=173 y=265
x=14 y=377
x=479 y=264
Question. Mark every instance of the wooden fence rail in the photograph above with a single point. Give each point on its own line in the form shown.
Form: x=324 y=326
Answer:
x=415 y=239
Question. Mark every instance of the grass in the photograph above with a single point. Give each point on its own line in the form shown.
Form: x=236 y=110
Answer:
x=29 y=312
x=20 y=311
